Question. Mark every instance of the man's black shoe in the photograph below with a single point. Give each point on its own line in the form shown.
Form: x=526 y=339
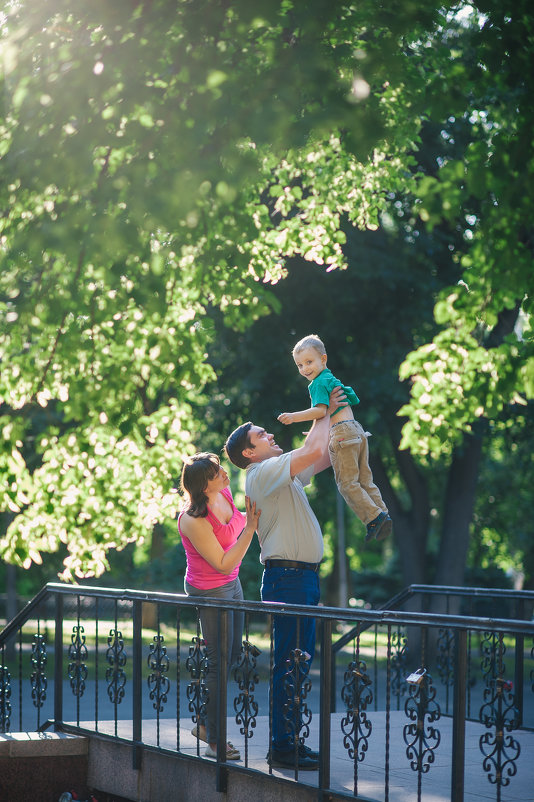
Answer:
x=285 y=759
x=305 y=750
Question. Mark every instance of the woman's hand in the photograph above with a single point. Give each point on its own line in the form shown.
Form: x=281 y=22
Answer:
x=253 y=515
x=200 y=533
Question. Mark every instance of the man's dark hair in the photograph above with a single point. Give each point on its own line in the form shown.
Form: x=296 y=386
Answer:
x=236 y=443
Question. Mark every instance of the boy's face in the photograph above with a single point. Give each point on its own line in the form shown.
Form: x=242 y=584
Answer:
x=310 y=363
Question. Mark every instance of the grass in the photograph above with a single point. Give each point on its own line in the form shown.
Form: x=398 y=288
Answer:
x=372 y=647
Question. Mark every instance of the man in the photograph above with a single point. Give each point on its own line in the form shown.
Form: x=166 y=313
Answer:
x=291 y=544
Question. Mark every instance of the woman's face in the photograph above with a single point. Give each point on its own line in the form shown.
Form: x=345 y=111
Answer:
x=219 y=481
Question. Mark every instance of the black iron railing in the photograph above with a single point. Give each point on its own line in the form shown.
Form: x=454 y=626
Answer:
x=132 y=665
x=470 y=602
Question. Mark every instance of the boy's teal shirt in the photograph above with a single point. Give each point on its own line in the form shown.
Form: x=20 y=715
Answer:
x=323 y=384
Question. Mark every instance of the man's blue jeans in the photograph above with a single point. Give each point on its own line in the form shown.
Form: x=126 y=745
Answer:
x=292 y=586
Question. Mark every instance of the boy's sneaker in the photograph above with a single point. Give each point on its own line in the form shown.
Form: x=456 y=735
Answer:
x=380 y=528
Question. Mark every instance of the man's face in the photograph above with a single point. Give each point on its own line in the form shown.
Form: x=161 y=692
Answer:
x=263 y=444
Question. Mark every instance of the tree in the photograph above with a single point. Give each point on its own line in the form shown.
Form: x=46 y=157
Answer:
x=475 y=375
x=161 y=159
x=432 y=548
x=481 y=360
x=503 y=534
x=137 y=142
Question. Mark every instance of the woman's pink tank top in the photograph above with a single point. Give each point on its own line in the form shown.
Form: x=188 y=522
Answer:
x=199 y=572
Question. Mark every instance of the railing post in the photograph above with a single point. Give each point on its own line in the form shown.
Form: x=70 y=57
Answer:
x=519 y=665
x=325 y=704
x=458 y=717
x=333 y=678
x=222 y=681
x=58 y=662
x=137 y=700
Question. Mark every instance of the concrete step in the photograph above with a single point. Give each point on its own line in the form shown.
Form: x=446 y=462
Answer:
x=41 y=744
x=42 y=765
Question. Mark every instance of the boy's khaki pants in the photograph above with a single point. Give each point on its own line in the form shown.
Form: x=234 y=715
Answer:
x=349 y=454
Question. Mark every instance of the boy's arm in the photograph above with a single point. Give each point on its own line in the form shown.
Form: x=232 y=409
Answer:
x=313 y=413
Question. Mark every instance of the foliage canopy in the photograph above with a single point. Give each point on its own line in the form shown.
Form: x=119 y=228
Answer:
x=161 y=159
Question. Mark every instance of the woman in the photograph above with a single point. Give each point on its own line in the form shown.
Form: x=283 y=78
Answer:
x=215 y=536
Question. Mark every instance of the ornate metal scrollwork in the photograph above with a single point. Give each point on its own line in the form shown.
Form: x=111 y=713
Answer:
x=245 y=706
x=5 y=696
x=357 y=695
x=420 y=738
x=499 y=713
x=445 y=660
x=116 y=658
x=296 y=713
x=198 y=667
x=38 y=679
x=445 y=657
x=158 y=683
x=77 y=668
x=492 y=651
x=399 y=650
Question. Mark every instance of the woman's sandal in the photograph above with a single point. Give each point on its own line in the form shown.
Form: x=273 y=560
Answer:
x=231 y=752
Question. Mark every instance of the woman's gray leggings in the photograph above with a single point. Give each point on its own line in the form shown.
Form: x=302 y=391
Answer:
x=210 y=630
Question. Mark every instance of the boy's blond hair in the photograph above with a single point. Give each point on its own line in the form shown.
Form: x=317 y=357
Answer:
x=310 y=341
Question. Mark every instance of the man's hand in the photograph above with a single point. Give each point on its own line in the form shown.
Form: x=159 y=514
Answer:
x=285 y=418
x=337 y=399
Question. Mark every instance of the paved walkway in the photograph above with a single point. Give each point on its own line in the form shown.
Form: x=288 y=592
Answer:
x=435 y=783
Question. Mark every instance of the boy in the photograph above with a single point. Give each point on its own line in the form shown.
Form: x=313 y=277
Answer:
x=348 y=447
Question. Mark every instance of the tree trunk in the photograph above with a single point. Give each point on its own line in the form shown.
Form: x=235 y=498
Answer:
x=410 y=527
x=341 y=552
x=157 y=550
x=460 y=496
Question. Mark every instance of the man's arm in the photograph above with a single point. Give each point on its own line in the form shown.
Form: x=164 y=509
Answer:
x=337 y=398
x=315 y=449
x=323 y=462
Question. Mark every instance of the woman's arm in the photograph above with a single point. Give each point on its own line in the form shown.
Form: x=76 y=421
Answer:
x=313 y=413
x=200 y=533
